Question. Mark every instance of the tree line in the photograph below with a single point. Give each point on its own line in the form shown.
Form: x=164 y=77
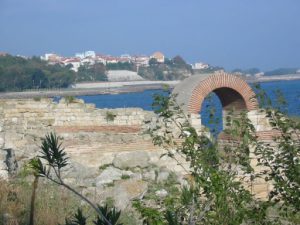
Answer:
x=18 y=73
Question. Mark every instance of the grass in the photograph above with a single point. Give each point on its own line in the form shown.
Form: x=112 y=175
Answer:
x=104 y=166
x=70 y=99
x=53 y=203
x=296 y=118
x=125 y=177
x=110 y=116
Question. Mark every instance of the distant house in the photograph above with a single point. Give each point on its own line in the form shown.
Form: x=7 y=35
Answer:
x=126 y=56
x=75 y=62
x=52 y=58
x=100 y=58
x=89 y=60
x=111 y=59
x=3 y=53
x=200 y=66
x=86 y=54
x=141 y=60
x=158 y=56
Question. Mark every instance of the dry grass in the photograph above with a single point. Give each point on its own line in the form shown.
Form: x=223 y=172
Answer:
x=53 y=204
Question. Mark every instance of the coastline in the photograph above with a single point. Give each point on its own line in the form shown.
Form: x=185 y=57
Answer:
x=103 y=89
x=273 y=78
x=99 y=88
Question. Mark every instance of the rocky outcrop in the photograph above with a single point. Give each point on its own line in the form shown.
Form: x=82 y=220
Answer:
x=126 y=160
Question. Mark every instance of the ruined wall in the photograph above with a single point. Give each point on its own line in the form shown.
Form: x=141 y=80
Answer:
x=114 y=139
x=91 y=137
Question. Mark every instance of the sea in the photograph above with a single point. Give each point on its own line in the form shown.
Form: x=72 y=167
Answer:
x=290 y=90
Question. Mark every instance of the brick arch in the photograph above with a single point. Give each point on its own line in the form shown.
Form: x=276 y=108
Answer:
x=231 y=90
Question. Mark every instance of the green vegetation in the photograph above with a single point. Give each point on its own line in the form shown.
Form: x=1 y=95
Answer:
x=95 y=72
x=37 y=99
x=296 y=119
x=281 y=71
x=54 y=160
x=171 y=69
x=211 y=69
x=125 y=177
x=17 y=73
x=251 y=71
x=104 y=166
x=70 y=99
x=214 y=191
x=52 y=203
x=110 y=116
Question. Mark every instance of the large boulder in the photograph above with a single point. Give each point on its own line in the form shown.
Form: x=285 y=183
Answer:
x=163 y=176
x=126 y=190
x=127 y=160
x=80 y=175
x=109 y=175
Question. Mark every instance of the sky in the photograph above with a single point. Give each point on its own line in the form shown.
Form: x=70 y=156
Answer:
x=228 y=33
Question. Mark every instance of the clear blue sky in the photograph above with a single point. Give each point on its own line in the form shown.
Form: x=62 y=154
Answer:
x=229 y=33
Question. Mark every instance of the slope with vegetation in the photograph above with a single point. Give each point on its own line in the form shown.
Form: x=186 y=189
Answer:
x=17 y=74
x=171 y=69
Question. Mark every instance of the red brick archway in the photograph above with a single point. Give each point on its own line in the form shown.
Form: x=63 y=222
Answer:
x=232 y=91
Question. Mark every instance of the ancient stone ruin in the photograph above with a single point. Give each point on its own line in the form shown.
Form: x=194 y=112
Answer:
x=107 y=145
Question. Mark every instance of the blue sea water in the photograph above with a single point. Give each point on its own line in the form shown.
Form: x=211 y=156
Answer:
x=290 y=90
x=144 y=100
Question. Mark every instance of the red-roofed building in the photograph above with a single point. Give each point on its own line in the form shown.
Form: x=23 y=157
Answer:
x=3 y=54
x=158 y=56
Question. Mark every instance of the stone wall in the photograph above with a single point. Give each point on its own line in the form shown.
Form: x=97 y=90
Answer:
x=103 y=144
x=91 y=137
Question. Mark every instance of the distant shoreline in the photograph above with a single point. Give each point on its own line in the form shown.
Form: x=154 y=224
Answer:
x=80 y=91
x=273 y=78
x=98 y=88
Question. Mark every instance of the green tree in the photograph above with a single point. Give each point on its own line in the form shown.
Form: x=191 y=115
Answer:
x=178 y=60
x=153 y=61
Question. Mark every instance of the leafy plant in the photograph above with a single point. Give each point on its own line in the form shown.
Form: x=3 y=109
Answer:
x=50 y=164
x=125 y=177
x=70 y=99
x=215 y=193
x=282 y=161
x=110 y=116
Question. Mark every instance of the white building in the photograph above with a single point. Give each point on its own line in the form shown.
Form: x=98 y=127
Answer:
x=50 y=57
x=200 y=66
x=125 y=56
x=86 y=54
x=75 y=62
x=158 y=56
x=141 y=60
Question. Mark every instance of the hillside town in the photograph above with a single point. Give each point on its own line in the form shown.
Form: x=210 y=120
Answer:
x=91 y=58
